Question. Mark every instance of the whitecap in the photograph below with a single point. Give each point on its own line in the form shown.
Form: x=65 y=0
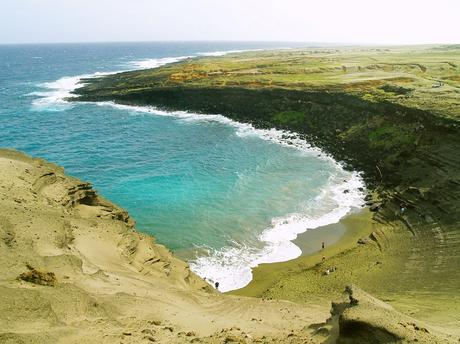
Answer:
x=226 y=52
x=232 y=265
x=55 y=93
x=155 y=63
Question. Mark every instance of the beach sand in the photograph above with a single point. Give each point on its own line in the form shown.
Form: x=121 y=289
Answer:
x=338 y=237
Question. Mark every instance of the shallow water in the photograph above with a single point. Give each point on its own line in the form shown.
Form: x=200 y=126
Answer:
x=221 y=194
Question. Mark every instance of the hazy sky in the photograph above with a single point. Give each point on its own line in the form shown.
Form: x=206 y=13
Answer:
x=346 y=21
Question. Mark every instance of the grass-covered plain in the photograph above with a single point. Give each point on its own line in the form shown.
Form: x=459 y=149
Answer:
x=423 y=77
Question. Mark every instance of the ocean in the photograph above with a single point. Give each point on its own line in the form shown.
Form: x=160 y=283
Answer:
x=222 y=195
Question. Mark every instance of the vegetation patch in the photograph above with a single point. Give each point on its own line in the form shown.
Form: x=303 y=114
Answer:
x=289 y=118
x=391 y=137
x=38 y=277
x=395 y=89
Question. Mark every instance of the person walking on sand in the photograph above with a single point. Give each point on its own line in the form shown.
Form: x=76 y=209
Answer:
x=216 y=285
x=322 y=245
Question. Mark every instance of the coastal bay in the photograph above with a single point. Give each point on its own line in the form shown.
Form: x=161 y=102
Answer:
x=230 y=172
x=75 y=270
x=391 y=112
x=395 y=123
x=204 y=186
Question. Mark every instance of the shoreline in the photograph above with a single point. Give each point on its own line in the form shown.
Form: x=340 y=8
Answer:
x=338 y=238
x=283 y=137
x=355 y=222
x=353 y=188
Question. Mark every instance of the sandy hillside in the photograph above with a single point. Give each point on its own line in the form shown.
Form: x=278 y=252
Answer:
x=74 y=270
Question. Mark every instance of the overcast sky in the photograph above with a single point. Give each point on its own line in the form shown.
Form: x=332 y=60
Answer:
x=337 y=21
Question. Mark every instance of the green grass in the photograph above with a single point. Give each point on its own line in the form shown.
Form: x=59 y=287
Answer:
x=389 y=137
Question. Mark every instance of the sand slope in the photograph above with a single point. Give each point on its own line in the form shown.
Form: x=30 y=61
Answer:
x=74 y=270
x=110 y=282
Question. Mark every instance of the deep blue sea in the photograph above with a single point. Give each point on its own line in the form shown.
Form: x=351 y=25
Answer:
x=220 y=194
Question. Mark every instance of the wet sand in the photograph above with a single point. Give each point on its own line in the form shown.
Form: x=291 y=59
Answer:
x=351 y=225
x=337 y=237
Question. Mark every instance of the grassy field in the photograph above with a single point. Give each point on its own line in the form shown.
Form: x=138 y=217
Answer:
x=422 y=77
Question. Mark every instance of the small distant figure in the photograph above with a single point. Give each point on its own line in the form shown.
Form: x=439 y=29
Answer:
x=216 y=285
x=330 y=270
x=323 y=259
x=322 y=245
x=402 y=208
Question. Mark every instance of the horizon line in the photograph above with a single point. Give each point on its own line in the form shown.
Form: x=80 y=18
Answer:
x=317 y=43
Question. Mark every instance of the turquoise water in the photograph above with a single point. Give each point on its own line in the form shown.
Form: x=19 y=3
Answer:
x=221 y=194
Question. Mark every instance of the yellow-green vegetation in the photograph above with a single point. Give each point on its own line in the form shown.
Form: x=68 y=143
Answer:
x=424 y=77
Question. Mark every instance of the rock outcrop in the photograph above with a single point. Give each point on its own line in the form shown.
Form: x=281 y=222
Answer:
x=361 y=318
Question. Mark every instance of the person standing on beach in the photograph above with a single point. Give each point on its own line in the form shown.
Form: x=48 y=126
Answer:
x=216 y=285
x=322 y=245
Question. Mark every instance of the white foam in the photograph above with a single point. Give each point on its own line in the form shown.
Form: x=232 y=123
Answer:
x=54 y=98
x=225 y=52
x=155 y=63
x=282 y=137
x=231 y=265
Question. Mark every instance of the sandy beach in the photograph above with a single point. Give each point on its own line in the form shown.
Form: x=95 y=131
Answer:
x=365 y=252
x=338 y=237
